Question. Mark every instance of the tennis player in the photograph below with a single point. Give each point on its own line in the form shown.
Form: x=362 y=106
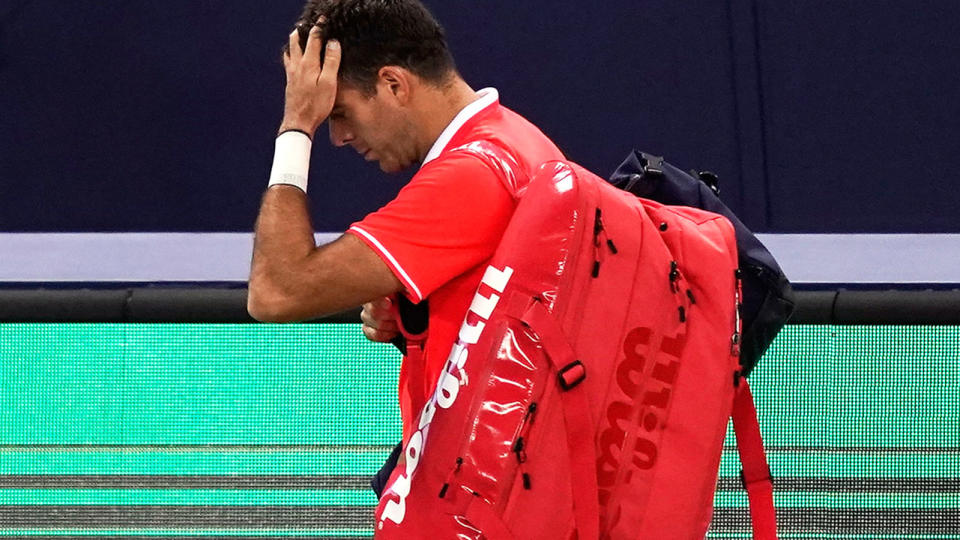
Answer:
x=380 y=74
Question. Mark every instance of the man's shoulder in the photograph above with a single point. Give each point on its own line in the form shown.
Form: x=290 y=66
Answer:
x=455 y=163
x=519 y=137
x=502 y=124
x=497 y=145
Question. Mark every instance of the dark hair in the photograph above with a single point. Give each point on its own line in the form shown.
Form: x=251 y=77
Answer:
x=377 y=33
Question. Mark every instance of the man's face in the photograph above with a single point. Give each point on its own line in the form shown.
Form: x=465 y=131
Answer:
x=376 y=127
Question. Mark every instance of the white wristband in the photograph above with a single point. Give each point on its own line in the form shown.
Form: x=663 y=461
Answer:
x=291 y=160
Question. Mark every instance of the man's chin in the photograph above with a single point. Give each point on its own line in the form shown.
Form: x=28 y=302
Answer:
x=392 y=167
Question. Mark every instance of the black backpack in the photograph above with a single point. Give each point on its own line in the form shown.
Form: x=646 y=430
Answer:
x=768 y=300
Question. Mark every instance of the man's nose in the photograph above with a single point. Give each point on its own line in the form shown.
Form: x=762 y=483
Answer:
x=338 y=135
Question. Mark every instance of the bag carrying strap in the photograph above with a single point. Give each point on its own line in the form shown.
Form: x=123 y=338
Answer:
x=501 y=162
x=576 y=417
x=756 y=475
x=412 y=321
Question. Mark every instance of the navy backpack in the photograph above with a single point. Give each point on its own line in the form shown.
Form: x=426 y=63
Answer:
x=768 y=300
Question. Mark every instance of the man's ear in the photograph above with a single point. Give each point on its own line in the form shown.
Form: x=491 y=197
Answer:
x=396 y=81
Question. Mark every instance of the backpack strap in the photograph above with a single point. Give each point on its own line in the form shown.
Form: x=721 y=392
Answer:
x=576 y=417
x=413 y=321
x=756 y=475
x=501 y=162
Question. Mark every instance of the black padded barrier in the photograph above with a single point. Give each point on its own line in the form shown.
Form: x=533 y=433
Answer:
x=188 y=305
x=194 y=304
x=897 y=307
x=814 y=307
x=198 y=304
x=79 y=305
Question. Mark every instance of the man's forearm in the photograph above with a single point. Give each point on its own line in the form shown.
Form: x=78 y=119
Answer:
x=292 y=280
x=283 y=235
x=283 y=241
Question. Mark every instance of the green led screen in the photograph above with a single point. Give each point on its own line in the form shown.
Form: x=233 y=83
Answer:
x=273 y=430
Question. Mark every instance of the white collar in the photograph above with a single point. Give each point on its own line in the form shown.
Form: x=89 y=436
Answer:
x=487 y=97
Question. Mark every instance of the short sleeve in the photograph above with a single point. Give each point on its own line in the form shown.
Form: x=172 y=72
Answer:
x=448 y=219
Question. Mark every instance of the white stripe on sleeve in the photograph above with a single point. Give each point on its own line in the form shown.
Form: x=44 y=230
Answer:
x=393 y=262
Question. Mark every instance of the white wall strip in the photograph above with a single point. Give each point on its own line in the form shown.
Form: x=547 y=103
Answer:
x=867 y=258
x=225 y=257
x=127 y=257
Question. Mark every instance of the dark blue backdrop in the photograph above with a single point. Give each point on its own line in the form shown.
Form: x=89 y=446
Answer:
x=819 y=116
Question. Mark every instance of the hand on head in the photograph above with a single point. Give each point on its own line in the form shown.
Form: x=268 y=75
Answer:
x=311 y=82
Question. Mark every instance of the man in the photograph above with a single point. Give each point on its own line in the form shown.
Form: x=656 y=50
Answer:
x=380 y=74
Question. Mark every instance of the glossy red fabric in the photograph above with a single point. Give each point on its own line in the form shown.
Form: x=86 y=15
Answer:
x=631 y=305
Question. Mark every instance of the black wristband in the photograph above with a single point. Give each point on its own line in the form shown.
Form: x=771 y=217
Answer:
x=297 y=130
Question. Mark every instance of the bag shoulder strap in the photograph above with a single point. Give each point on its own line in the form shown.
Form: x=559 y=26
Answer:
x=503 y=164
x=576 y=417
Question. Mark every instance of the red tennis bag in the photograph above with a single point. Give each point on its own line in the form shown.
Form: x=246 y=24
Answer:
x=589 y=391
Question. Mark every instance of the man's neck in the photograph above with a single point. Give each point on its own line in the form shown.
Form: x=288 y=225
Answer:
x=438 y=107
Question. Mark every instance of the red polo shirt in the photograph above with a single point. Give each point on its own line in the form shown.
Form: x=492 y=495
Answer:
x=444 y=225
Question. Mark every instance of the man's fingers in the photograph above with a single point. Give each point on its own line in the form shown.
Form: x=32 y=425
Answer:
x=312 y=53
x=378 y=336
x=366 y=315
x=378 y=319
x=331 y=61
x=293 y=48
x=381 y=307
x=387 y=326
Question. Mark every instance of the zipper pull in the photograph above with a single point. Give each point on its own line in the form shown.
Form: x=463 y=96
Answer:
x=531 y=411
x=611 y=246
x=519 y=450
x=519 y=447
x=597 y=227
x=446 y=485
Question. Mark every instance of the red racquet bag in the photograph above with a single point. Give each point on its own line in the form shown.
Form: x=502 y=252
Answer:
x=589 y=391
